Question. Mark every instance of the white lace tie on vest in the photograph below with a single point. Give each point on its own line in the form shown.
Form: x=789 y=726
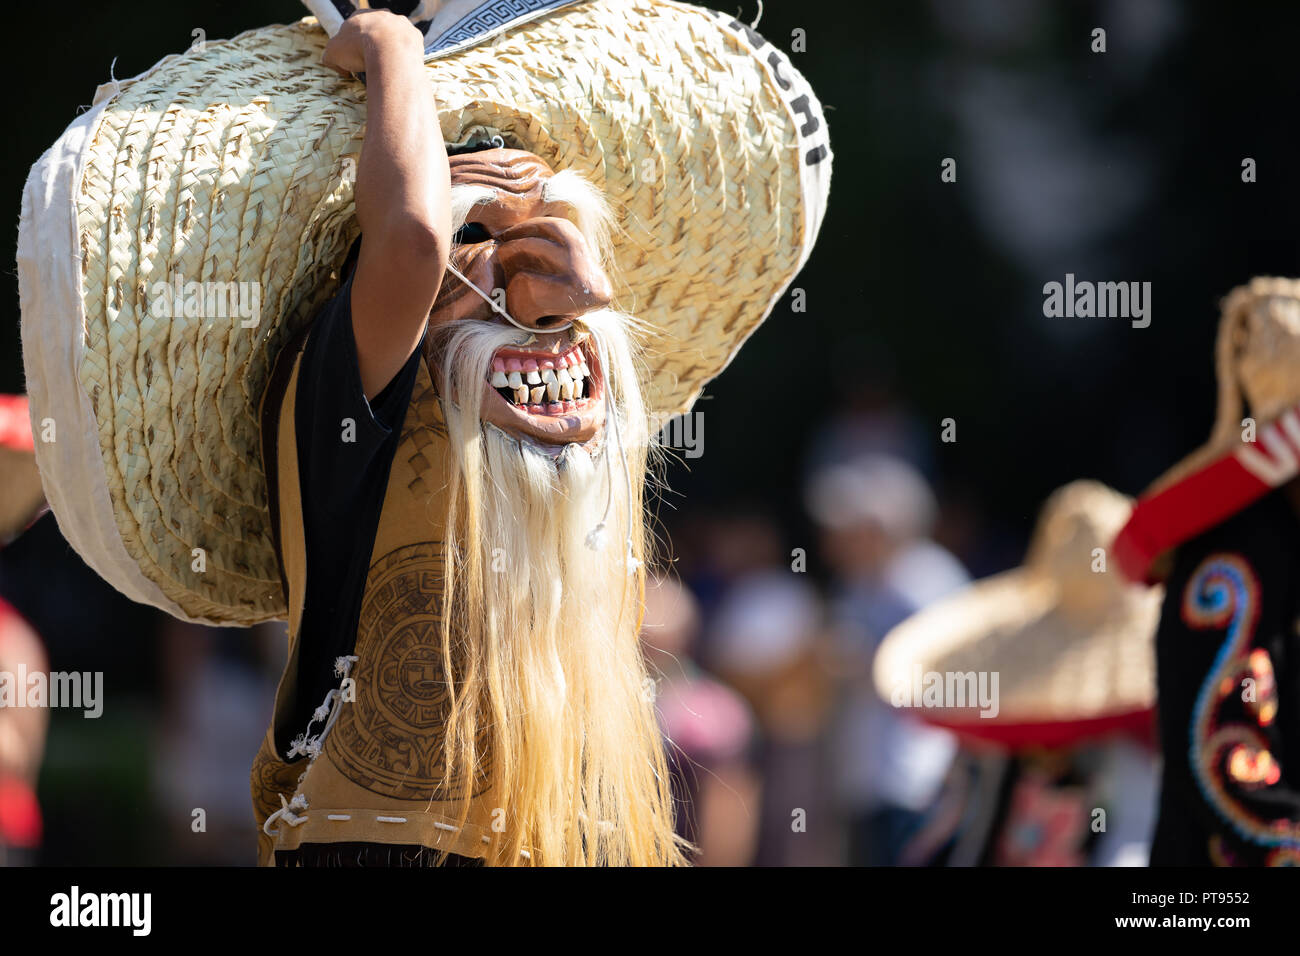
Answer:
x=305 y=744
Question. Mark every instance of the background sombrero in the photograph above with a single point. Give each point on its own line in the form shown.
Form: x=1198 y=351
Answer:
x=231 y=163
x=1074 y=648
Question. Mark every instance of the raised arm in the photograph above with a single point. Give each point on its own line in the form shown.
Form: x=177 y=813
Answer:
x=401 y=192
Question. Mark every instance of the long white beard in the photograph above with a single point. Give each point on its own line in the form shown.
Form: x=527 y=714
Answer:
x=552 y=612
x=547 y=510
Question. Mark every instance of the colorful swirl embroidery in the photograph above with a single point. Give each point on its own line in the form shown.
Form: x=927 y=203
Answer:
x=1223 y=593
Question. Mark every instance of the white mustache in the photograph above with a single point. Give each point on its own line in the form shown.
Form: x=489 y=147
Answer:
x=463 y=336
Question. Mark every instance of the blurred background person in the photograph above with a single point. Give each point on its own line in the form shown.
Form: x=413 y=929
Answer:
x=22 y=742
x=767 y=640
x=216 y=702
x=22 y=728
x=875 y=514
x=869 y=416
x=710 y=731
x=721 y=543
x=1057 y=765
x=21 y=497
x=1032 y=805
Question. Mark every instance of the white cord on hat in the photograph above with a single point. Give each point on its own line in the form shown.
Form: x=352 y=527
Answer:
x=497 y=309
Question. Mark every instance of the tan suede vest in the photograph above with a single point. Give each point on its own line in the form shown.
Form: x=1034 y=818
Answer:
x=376 y=778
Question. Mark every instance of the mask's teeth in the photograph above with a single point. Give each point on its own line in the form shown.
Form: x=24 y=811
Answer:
x=550 y=384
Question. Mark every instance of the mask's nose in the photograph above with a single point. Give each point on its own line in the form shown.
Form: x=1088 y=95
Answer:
x=552 y=275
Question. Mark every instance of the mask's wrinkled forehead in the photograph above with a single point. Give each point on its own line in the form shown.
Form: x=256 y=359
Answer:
x=514 y=170
x=501 y=186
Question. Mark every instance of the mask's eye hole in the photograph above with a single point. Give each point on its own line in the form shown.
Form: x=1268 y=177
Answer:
x=470 y=233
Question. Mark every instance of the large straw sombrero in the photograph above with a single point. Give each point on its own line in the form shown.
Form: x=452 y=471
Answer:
x=230 y=164
x=1073 y=646
x=1255 y=445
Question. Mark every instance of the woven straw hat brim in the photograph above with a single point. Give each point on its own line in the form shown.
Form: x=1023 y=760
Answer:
x=230 y=165
x=1053 y=669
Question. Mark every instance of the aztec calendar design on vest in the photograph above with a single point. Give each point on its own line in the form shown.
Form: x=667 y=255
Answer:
x=389 y=740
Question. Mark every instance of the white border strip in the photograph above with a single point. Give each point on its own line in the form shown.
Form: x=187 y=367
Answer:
x=53 y=337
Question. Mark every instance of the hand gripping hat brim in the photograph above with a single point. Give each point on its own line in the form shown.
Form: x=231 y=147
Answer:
x=221 y=179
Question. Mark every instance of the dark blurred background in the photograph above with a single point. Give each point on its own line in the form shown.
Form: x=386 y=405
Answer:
x=924 y=302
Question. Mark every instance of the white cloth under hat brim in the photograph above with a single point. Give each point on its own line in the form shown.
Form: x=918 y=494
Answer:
x=49 y=287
